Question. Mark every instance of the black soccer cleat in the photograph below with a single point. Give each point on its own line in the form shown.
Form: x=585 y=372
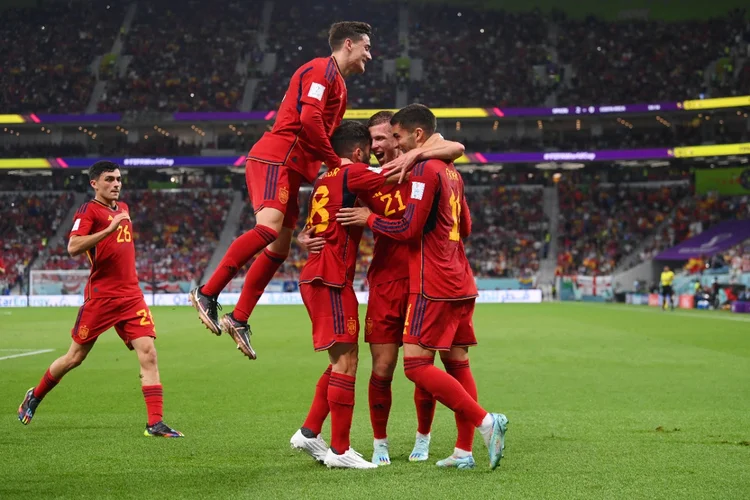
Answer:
x=160 y=429
x=240 y=332
x=208 y=309
x=28 y=407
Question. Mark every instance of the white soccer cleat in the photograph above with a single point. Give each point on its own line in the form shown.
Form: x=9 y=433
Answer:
x=315 y=447
x=349 y=460
x=421 y=451
x=380 y=455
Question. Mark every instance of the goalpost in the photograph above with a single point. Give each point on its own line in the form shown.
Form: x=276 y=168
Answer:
x=57 y=282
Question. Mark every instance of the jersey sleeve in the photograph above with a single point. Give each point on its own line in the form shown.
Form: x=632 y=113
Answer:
x=424 y=186
x=83 y=221
x=362 y=178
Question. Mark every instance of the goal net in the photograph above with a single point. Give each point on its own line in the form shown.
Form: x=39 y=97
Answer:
x=57 y=282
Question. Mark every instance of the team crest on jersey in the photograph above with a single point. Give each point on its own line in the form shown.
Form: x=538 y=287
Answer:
x=351 y=326
x=283 y=194
x=83 y=332
x=368 y=326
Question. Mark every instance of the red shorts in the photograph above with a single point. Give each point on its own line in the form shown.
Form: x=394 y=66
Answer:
x=274 y=186
x=130 y=316
x=386 y=312
x=437 y=325
x=334 y=313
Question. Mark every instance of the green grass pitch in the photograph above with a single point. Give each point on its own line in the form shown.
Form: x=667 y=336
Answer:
x=604 y=401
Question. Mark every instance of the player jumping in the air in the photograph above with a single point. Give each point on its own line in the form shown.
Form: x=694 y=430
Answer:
x=326 y=285
x=103 y=231
x=277 y=164
x=441 y=287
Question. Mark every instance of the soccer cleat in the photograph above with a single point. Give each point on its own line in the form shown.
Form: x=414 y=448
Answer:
x=315 y=447
x=421 y=451
x=240 y=332
x=160 y=429
x=459 y=463
x=349 y=460
x=496 y=443
x=28 y=407
x=208 y=309
x=380 y=455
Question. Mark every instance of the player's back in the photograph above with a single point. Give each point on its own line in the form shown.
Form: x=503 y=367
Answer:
x=439 y=259
x=317 y=83
x=390 y=258
x=334 y=190
x=113 y=272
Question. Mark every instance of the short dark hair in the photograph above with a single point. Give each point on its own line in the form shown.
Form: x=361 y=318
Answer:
x=98 y=168
x=380 y=117
x=416 y=115
x=349 y=136
x=354 y=30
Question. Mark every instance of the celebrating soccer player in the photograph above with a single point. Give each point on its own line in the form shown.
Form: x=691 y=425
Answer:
x=441 y=287
x=291 y=153
x=112 y=297
x=326 y=285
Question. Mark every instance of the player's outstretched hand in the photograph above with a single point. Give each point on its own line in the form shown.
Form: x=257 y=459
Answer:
x=116 y=221
x=401 y=165
x=309 y=242
x=356 y=216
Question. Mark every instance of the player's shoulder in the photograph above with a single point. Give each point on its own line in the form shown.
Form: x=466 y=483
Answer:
x=325 y=65
x=123 y=206
x=85 y=208
x=430 y=166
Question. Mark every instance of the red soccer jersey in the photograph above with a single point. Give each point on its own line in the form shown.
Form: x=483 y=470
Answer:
x=112 y=259
x=435 y=220
x=335 y=264
x=317 y=83
x=390 y=258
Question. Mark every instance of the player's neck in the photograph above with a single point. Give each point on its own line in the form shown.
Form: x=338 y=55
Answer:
x=339 y=57
x=106 y=202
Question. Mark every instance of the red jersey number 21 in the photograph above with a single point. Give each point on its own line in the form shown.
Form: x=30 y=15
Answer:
x=455 y=202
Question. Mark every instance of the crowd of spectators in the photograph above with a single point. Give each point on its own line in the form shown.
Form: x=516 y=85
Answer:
x=185 y=57
x=47 y=54
x=598 y=225
x=509 y=232
x=642 y=61
x=27 y=223
x=694 y=215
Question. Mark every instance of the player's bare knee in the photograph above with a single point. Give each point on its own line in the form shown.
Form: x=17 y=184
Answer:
x=383 y=365
x=455 y=354
x=271 y=218
x=283 y=244
x=344 y=358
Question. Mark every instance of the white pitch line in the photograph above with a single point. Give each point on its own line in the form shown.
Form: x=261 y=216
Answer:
x=31 y=353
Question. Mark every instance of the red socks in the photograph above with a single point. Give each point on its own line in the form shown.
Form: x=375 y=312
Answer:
x=239 y=253
x=45 y=385
x=154 y=397
x=461 y=371
x=319 y=408
x=260 y=274
x=380 y=397
x=424 y=403
x=444 y=388
x=341 y=402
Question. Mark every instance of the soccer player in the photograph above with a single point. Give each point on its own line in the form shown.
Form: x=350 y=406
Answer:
x=277 y=164
x=388 y=278
x=103 y=231
x=326 y=286
x=667 y=293
x=441 y=287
